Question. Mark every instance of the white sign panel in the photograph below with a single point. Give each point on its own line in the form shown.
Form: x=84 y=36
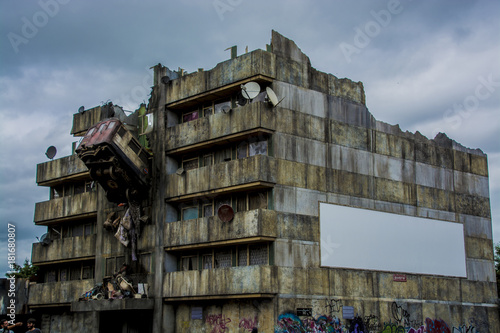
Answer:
x=372 y=240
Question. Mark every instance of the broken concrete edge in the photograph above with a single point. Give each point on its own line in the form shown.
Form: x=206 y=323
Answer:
x=288 y=49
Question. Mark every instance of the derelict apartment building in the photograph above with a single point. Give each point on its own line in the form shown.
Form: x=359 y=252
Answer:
x=290 y=168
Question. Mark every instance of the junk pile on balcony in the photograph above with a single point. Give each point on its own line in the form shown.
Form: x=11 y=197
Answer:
x=118 y=287
x=120 y=164
x=127 y=228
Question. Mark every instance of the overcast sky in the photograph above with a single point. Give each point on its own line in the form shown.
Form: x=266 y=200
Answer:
x=429 y=66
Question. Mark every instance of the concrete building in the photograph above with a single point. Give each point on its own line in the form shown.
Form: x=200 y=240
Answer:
x=266 y=262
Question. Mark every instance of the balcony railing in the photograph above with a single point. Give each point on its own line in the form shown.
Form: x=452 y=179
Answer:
x=61 y=169
x=64 y=249
x=242 y=281
x=57 y=293
x=242 y=174
x=66 y=208
x=254 y=224
x=251 y=119
x=226 y=77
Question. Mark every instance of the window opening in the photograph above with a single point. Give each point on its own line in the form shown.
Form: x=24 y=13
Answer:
x=189 y=213
x=207 y=261
x=223 y=259
x=189 y=263
x=258 y=254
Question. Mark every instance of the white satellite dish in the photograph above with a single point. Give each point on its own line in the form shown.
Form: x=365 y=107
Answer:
x=149 y=121
x=225 y=109
x=272 y=98
x=250 y=90
x=180 y=171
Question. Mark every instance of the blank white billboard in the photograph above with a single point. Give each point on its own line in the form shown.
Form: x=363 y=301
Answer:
x=372 y=240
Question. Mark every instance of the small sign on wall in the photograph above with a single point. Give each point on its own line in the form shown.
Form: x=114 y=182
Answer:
x=348 y=312
x=196 y=312
x=306 y=312
x=399 y=278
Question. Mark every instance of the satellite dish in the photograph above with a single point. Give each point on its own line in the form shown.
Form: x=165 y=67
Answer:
x=45 y=239
x=272 y=98
x=149 y=120
x=225 y=109
x=240 y=100
x=165 y=79
x=81 y=109
x=225 y=213
x=180 y=171
x=51 y=152
x=250 y=90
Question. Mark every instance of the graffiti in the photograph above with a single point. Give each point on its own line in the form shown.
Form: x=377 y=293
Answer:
x=436 y=326
x=357 y=325
x=400 y=315
x=465 y=329
x=248 y=323
x=333 y=305
x=290 y=323
x=185 y=325
x=393 y=328
x=372 y=323
x=219 y=322
x=421 y=329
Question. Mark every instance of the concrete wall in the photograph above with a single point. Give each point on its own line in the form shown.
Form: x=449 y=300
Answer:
x=65 y=248
x=70 y=207
x=60 y=169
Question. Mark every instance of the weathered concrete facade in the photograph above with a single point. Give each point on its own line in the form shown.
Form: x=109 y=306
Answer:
x=273 y=166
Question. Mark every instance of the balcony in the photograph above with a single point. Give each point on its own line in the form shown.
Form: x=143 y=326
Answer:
x=224 y=78
x=243 y=174
x=252 y=119
x=57 y=293
x=64 y=249
x=61 y=169
x=241 y=282
x=254 y=225
x=77 y=206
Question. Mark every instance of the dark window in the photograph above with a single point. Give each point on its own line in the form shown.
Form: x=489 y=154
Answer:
x=207 y=261
x=189 y=116
x=189 y=263
x=223 y=258
x=77 y=230
x=257 y=200
x=242 y=256
x=258 y=254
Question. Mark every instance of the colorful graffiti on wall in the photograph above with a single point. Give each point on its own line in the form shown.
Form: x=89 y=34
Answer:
x=290 y=323
x=218 y=322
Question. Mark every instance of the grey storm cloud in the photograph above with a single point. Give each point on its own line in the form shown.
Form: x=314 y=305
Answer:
x=420 y=62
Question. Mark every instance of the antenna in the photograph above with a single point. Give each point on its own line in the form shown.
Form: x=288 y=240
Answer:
x=81 y=109
x=51 y=152
x=272 y=98
x=250 y=90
